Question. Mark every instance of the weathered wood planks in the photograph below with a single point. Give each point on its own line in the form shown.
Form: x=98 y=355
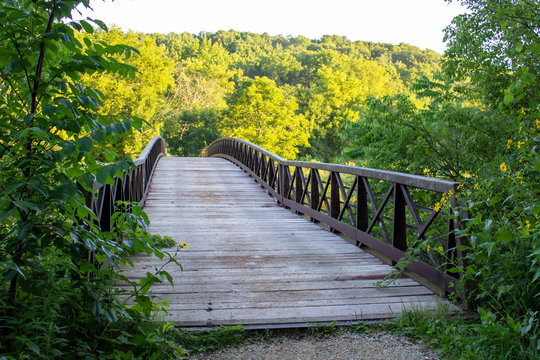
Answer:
x=252 y=262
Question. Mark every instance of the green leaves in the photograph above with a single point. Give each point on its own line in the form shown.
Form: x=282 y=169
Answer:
x=85 y=144
x=13 y=267
x=52 y=253
x=87 y=27
x=106 y=173
x=259 y=112
x=25 y=206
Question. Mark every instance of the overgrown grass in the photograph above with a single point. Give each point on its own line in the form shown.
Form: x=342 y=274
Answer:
x=466 y=335
x=454 y=336
x=211 y=340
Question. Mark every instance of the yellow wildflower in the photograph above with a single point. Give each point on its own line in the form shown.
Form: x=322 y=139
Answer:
x=528 y=224
x=437 y=207
x=476 y=187
x=439 y=249
x=460 y=186
x=509 y=143
x=503 y=167
x=519 y=144
x=538 y=123
x=450 y=193
x=428 y=247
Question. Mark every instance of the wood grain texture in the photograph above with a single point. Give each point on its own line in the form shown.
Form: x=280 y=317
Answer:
x=252 y=262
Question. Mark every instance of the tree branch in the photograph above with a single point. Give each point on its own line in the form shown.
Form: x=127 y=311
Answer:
x=41 y=59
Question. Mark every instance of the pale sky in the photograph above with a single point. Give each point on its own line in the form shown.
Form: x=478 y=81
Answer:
x=416 y=22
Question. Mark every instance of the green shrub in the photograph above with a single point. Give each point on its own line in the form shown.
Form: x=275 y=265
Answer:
x=57 y=268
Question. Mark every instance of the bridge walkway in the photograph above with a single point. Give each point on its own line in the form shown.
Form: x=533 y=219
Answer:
x=255 y=263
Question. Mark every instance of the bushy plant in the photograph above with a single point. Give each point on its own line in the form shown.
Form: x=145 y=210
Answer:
x=480 y=127
x=57 y=268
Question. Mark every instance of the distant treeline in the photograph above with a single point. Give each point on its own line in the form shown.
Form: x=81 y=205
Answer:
x=291 y=95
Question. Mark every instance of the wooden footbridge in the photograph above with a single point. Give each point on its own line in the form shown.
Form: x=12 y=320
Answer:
x=285 y=243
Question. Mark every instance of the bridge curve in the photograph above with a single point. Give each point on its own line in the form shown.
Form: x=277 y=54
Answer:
x=251 y=261
x=388 y=212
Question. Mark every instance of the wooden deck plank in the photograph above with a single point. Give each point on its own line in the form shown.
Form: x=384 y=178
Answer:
x=257 y=286
x=252 y=262
x=291 y=315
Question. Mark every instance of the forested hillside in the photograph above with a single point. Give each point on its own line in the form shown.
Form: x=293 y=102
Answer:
x=291 y=95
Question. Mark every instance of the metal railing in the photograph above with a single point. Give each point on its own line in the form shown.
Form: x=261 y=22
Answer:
x=133 y=186
x=387 y=212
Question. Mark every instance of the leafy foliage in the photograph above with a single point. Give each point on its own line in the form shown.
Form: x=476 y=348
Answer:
x=259 y=112
x=480 y=127
x=191 y=131
x=339 y=87
x=64 y=84
x=328 y=79
x=458 y=336
x=139 y=96
x=57 y=267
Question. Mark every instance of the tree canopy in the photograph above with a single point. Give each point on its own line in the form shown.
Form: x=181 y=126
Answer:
x=260 y=113
x=140 y=96
x=327 y=79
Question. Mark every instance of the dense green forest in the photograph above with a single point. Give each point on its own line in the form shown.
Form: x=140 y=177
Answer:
x=77 y=97
x=291 y=95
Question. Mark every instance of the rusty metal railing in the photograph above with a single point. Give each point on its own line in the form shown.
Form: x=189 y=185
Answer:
x=133 y=186
x=387 y=212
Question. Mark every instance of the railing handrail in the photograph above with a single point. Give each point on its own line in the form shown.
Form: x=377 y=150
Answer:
x=329 y=201
x=245 y=142
x=148 y=148
x=422 y=182
x=133 y=186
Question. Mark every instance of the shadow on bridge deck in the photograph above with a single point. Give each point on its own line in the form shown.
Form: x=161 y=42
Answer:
x=252 y=262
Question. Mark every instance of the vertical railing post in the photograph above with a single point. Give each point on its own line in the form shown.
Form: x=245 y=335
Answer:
x=272 y=174
x=257 y=170
x=335 y=199
x=264 y=173
x=361 y=206
x=140 y=182
x=314 y=204
x=143 y=177
x=106 y=210
x=249 y=163
x=299 y=186
x=453 y=252
x=399 y=231
x=252 y=160
x=284 y=185
x=450 y=248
